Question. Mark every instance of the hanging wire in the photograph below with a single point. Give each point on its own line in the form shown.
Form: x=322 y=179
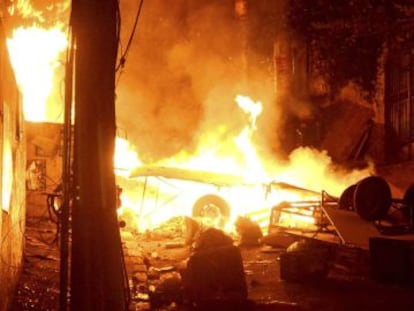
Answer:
x=124 y=55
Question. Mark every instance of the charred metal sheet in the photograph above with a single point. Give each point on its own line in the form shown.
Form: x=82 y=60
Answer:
x=351 y=229
x=187 y=174
x=283 y=185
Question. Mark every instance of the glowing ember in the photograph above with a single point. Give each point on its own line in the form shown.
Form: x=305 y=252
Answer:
x=34 y=54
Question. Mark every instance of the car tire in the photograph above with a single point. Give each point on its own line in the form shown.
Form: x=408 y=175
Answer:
x=214 y=207
x=372 y=198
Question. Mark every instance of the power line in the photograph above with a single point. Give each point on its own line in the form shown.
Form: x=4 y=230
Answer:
x=122 y=60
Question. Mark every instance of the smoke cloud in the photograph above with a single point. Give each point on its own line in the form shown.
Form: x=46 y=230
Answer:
x=185 y=67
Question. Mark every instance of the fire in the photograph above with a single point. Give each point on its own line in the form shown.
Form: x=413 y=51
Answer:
x=35 y=54
x=254 y=170
x=314 y=170
x=25 y=8
x=152 y=200
x=233 y=155
x=251 y=108
x=125 y=158
x=236 y=155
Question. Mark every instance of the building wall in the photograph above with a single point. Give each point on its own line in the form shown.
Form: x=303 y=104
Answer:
x=12 y=176
x=44 y=164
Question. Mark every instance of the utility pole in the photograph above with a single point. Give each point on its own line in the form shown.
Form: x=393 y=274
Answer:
x=97 y=279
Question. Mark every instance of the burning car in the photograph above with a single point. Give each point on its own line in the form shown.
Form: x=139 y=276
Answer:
x=214 y=197
x=163 y=192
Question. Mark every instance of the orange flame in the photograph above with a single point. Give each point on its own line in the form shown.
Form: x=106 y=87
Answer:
x=34 y=54
x=307 y=168
x=125 y=158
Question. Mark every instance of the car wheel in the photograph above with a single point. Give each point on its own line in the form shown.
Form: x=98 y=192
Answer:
x=213 y=209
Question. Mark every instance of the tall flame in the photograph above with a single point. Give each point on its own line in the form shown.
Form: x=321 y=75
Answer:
x=232 y=154
x=34 y=54
x=254 y=170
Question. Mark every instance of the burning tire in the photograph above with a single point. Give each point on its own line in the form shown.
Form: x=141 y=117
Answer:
x=212 y=208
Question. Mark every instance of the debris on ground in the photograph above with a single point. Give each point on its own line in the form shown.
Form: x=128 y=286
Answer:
x=214 y=271
x=278 y=239
x=249 y=231
x=251 y=280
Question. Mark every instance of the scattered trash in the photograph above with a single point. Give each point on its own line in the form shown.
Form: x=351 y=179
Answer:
x=167 y=291
x=304 y=261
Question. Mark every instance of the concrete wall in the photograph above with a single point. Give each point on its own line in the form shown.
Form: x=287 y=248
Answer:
x=12 y=176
